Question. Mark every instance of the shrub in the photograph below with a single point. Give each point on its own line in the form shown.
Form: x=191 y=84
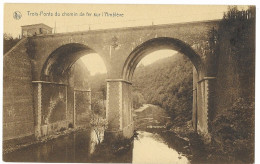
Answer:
x=233 y=130
x=62 y=129
x=70 y=125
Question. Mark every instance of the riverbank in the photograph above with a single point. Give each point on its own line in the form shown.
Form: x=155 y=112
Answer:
x=205 y=152
x=199 y=149
x=151 y=138
x=11 y=147
x=180 y=129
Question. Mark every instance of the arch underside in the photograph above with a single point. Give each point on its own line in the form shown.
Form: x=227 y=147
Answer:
x=61 y=60
x=158 y=44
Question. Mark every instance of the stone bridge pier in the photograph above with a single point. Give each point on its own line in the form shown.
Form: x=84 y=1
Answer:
x=203 y=96
x=119 y=108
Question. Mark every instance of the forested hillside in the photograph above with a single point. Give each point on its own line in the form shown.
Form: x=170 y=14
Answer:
x=167 y=83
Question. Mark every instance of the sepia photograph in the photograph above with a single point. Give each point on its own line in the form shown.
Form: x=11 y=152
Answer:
x=128 y=83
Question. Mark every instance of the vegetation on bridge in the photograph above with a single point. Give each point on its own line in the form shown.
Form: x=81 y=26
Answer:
x=233 y=124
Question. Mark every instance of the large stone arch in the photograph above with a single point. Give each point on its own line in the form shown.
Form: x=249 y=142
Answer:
x=61 y=59
x=55 y=97
x=158 y=44
x=119 y=90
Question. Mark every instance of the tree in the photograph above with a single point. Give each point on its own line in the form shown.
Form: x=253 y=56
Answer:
x=9 y=42
x=138 y=100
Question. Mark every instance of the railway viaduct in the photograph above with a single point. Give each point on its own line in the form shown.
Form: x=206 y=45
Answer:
x=38 y=65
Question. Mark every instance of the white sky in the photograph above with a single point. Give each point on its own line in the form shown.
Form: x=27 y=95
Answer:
x=95 y=64
x=156 y=55
x=134 y=15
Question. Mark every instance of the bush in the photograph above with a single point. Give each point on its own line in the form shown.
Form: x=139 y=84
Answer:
x=62 y=129
x=97 y=105
x=233 y=130
x=138 y=100
x=70 y=125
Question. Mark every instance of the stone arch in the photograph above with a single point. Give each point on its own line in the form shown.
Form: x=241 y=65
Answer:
x=158 y=44
x=200 y=85
x=55 y=97
x=61 y=59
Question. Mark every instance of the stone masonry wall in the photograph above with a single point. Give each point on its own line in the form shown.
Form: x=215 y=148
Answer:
x=18 y=116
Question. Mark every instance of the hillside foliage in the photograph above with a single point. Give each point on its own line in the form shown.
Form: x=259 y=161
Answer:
x=167 y=83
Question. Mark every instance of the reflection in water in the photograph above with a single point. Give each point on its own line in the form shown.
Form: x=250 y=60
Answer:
x=152 y=145
x=150 y=148
x=80 y=147
x=76 y=147
x=95 y=139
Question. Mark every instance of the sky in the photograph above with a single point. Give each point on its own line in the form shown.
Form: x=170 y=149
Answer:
x=96 y=65
x=69 y=18
x=156 y=55
x=133 y=15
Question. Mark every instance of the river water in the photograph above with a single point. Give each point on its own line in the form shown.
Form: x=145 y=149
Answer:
x=153 y=144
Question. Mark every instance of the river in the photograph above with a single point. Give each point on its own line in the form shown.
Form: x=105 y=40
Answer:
x=153 y=144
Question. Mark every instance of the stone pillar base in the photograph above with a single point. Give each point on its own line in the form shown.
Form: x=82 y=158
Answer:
x=206 y=137
x=126 y=133
x=205 y=96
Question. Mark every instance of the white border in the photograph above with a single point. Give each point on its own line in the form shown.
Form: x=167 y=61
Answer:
x=199 y=2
